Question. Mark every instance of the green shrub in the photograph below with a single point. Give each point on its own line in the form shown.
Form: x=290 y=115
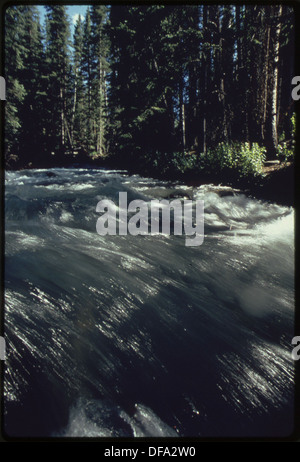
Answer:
x=183 y=162
x=172 y=163
x=286 y=149
x=230 y=160
x=243 y=158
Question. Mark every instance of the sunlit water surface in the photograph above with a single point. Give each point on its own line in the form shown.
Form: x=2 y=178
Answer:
x=142 y=335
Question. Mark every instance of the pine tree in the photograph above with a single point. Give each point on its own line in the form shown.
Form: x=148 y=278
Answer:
x=32 y=139
x=87 y=62
x=100 y=69
x=145 y=82
x=148 y=78
x=275 y=116
x=58 y=66
x=122 y=86
x=78 y=109
x=15 y=91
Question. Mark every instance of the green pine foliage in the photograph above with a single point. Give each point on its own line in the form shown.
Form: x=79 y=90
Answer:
x=171 y=89
x=100 y=71
x=57 y=65
x=15 y=90
x=78 y=101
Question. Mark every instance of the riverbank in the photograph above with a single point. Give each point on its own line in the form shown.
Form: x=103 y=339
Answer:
x=275 y=184
x=278 y=185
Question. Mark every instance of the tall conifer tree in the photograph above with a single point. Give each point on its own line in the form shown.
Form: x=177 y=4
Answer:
x=57 y=56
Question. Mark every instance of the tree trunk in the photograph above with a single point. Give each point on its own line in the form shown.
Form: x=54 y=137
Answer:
x=266 y=79
x=181 y=114
x=74 y=105
x=204 y=78
x=275 y=80
x=62 y=139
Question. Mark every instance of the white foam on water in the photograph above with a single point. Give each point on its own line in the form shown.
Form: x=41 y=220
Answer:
x=146 y=423
x=91 y=309
x=95 y=419
x=80 y=425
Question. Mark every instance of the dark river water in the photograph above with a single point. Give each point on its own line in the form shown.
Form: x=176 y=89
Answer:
x=143 y=336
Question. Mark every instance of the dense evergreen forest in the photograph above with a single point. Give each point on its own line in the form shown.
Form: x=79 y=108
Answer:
x=167 y=88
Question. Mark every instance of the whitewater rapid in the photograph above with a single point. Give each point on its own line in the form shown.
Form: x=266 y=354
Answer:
x=120 y=336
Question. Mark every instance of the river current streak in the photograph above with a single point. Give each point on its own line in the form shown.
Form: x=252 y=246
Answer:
x=141 y=335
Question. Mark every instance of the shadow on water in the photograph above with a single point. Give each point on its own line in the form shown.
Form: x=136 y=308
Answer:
x=143 y=336
x=203 y=369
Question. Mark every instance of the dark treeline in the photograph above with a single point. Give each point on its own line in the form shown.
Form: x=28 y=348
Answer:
x=134 y=82
x=56 y=85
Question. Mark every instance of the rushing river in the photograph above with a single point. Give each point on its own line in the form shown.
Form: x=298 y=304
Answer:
x=121 y=336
